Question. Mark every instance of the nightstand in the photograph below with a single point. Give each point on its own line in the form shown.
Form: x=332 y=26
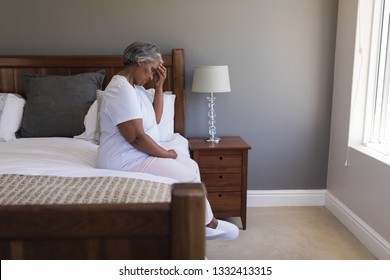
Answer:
x=224 y=170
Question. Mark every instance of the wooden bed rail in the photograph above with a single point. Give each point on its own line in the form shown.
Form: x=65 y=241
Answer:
x=113 y=231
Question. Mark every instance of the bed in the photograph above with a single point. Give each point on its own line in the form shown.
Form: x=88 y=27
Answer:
x=55 y=203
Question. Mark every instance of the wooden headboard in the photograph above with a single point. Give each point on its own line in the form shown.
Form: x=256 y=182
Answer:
x=11 y=68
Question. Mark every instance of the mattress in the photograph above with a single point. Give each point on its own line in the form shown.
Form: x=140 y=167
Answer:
x=58 y=156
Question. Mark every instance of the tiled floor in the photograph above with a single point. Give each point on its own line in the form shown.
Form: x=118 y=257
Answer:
x=290 y=233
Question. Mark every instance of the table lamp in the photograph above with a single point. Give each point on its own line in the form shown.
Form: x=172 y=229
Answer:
x=211 y=79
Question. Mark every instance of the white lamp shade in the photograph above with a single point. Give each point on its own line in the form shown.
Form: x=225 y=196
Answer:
x=211 y=79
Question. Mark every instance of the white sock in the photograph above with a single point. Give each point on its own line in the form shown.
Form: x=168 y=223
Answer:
x=212 y=233
x=230 y=230
x=224 y=230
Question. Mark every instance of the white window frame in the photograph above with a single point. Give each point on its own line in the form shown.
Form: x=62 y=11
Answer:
x=377 y=124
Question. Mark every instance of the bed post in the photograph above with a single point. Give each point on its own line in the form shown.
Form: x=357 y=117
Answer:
x=188 y=226
x=178 y=89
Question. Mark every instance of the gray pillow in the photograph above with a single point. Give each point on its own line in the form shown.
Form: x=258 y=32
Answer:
x=56 y=105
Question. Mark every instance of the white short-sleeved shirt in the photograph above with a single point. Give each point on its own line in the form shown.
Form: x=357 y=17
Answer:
x=122 y=102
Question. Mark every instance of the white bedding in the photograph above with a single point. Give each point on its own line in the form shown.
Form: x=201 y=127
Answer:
x=67 y=157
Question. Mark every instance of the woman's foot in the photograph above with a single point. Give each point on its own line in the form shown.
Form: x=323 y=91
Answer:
x=213 y=223
x=221 y=229
x=230 y=230
x=212 y=233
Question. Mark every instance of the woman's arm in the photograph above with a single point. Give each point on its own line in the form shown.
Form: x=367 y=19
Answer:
x=134 y=134
x=158 y=102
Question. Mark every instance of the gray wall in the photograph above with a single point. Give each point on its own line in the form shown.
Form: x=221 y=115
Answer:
x=363 y=186
x=280 y=54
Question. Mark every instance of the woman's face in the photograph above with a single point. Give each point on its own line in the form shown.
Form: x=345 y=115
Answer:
x=145 y=72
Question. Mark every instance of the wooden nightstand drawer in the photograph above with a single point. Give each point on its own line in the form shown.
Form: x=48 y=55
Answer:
x=225 y=204
x=220 y=159
x=221 y=181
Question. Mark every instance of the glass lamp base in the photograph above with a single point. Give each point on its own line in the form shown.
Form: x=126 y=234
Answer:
x=213 y=139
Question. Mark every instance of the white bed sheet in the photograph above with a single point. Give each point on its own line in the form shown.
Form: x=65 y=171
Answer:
x=67 y=157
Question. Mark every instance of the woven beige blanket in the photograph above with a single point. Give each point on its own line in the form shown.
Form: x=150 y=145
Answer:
x=28 y=189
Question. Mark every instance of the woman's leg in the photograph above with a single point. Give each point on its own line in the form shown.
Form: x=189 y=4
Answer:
x=182 y=169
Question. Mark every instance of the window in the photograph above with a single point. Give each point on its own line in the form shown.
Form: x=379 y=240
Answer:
x=377 y=128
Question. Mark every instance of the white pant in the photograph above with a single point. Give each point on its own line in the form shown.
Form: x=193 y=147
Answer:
x=182 y=169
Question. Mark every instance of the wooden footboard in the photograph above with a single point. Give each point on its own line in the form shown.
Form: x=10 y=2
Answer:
x=107 y=231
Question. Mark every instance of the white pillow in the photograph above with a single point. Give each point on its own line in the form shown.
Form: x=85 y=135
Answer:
x=166 y=125
x=92 y=121
x=11 y=114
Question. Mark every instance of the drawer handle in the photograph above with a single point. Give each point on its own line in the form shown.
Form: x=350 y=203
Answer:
x=220 y=176
x=219 y=195
x=220 y=158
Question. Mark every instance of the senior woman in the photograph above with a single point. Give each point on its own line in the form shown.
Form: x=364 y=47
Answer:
x=130 y=136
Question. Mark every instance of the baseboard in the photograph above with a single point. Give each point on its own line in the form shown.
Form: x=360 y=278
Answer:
x=271 y=198
x=374 y=242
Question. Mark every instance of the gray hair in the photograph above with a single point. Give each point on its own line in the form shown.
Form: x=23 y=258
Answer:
x=141 y=51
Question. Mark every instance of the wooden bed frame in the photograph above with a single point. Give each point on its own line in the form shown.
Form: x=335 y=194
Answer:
x=172 y=230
